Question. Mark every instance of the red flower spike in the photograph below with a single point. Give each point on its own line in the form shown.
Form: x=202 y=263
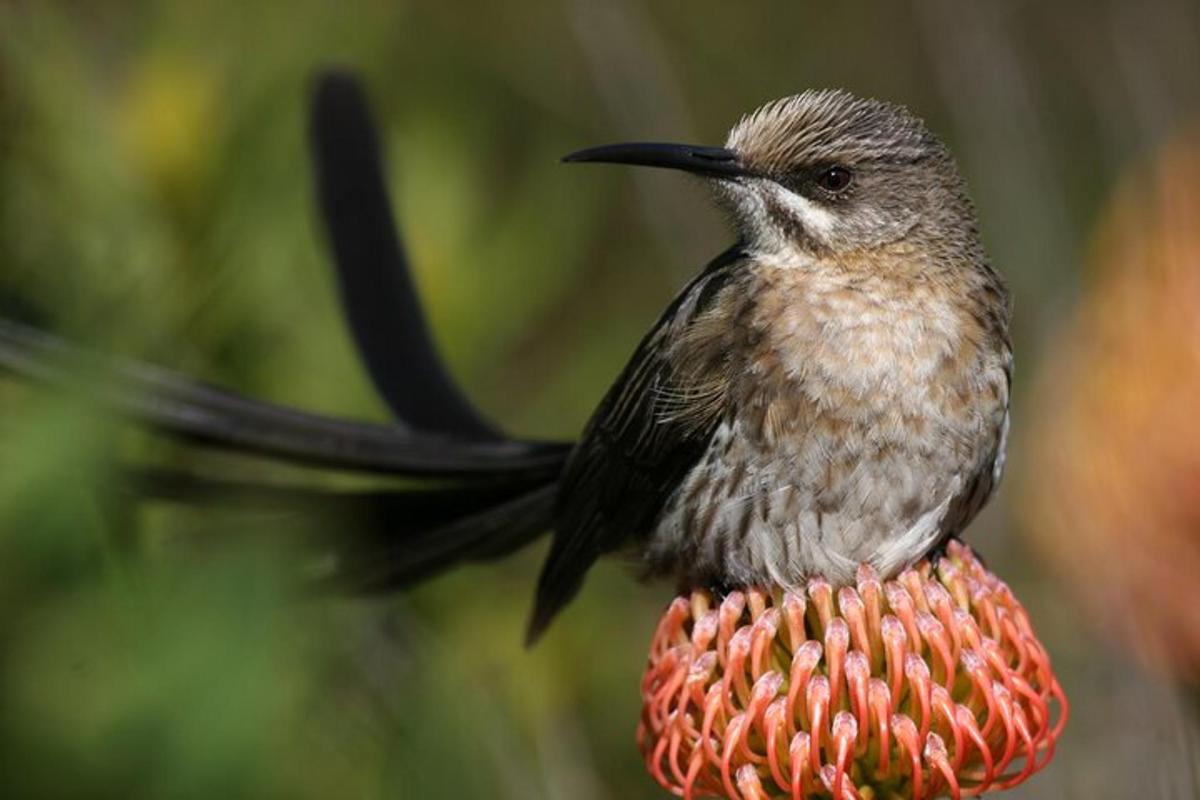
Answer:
x=910 y=579
x=907 y=739
x=895 y=643
x=757 y=600
x=858 y=674
x=932 y=684
x=705 y=630
x=735 y=670
x=765 y=628
x=851 y=605
x=733 y=735
x=801 y=777
x=807 y=657
x=871 y=592
x=766 y=689
x=820 y=594
x=837 y=644
x=970 y=728
x=828 y=777
x=818 y=717
x=773 y=721
x=730 y=613
x=794 y=609
x=749 y=784
x=935 y=637
x=946 y=713
x=845 y=733
x=920 y=687
x=881 y=712
x=936 y=757
x=902 y=606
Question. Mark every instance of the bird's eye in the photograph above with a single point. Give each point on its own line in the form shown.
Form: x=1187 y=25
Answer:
x=835 y=179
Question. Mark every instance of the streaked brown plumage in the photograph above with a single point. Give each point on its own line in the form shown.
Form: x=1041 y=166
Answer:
x=831 y=390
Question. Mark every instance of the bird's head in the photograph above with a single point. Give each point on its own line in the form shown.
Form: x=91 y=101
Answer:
x=824 y=173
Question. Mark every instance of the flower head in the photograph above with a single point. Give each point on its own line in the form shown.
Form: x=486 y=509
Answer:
x=933 y=683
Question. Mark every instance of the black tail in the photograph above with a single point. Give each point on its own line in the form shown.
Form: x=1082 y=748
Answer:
x=382 y=540
x=469 y=492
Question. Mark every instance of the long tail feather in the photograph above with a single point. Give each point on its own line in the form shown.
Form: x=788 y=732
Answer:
x=180 y=406
x=481 y=536
x=380 y=540
x=378 y=297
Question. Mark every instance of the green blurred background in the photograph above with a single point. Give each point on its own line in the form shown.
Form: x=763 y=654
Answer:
x=156 y=201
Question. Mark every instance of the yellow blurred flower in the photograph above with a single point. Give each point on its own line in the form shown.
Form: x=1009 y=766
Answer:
x=169 y=123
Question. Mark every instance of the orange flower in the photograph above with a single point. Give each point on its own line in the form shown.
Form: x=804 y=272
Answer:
x=1110 y=491
x=930 y=684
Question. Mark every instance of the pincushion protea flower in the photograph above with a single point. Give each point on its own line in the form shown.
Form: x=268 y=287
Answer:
x=930 y=684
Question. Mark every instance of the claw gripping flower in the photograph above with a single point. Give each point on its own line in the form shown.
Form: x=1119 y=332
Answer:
x=931 y=684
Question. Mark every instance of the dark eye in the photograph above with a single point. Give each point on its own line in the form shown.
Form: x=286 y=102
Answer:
x=835 y=179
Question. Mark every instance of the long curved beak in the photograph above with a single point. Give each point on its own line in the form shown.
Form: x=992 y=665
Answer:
x=713 y=162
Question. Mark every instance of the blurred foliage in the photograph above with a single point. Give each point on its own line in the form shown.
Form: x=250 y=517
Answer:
x=155 y=200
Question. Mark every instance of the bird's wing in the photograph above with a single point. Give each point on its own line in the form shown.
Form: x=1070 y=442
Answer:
x=980 y=486
x=648 y=432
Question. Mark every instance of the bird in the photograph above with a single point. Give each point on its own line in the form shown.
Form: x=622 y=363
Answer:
x=832 y=390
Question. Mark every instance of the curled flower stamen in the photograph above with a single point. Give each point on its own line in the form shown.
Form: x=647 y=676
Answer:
x=807 y=657
x=749 y=784
x=880 y=700
x=858 y=674
x=902 y=607
x=818 y=716
x=837 y=644
x=871 y=592
x=773 y=722
x=851 y=605
x=908 y=740
x=794 y=609
x=936 y=756
x=896 y=646
x=820 y=595
x=845 y=734
x=945 y=711
x=765 y=628
x=929 y=685
x=935 y=636
x=733 y=735
x=829 y=777
x=920 y=687
x=801 y=778
x=728 y=616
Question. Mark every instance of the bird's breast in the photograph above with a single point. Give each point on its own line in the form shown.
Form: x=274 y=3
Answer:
x=859 y=409
x=848 y=340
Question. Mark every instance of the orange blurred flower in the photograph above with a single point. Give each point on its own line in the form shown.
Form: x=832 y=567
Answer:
x=1112 y=491
x=933 y=683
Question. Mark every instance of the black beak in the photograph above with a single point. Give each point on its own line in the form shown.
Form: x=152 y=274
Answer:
x=713 y=162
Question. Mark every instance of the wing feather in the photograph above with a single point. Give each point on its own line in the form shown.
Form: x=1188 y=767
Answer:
x=651 y=428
